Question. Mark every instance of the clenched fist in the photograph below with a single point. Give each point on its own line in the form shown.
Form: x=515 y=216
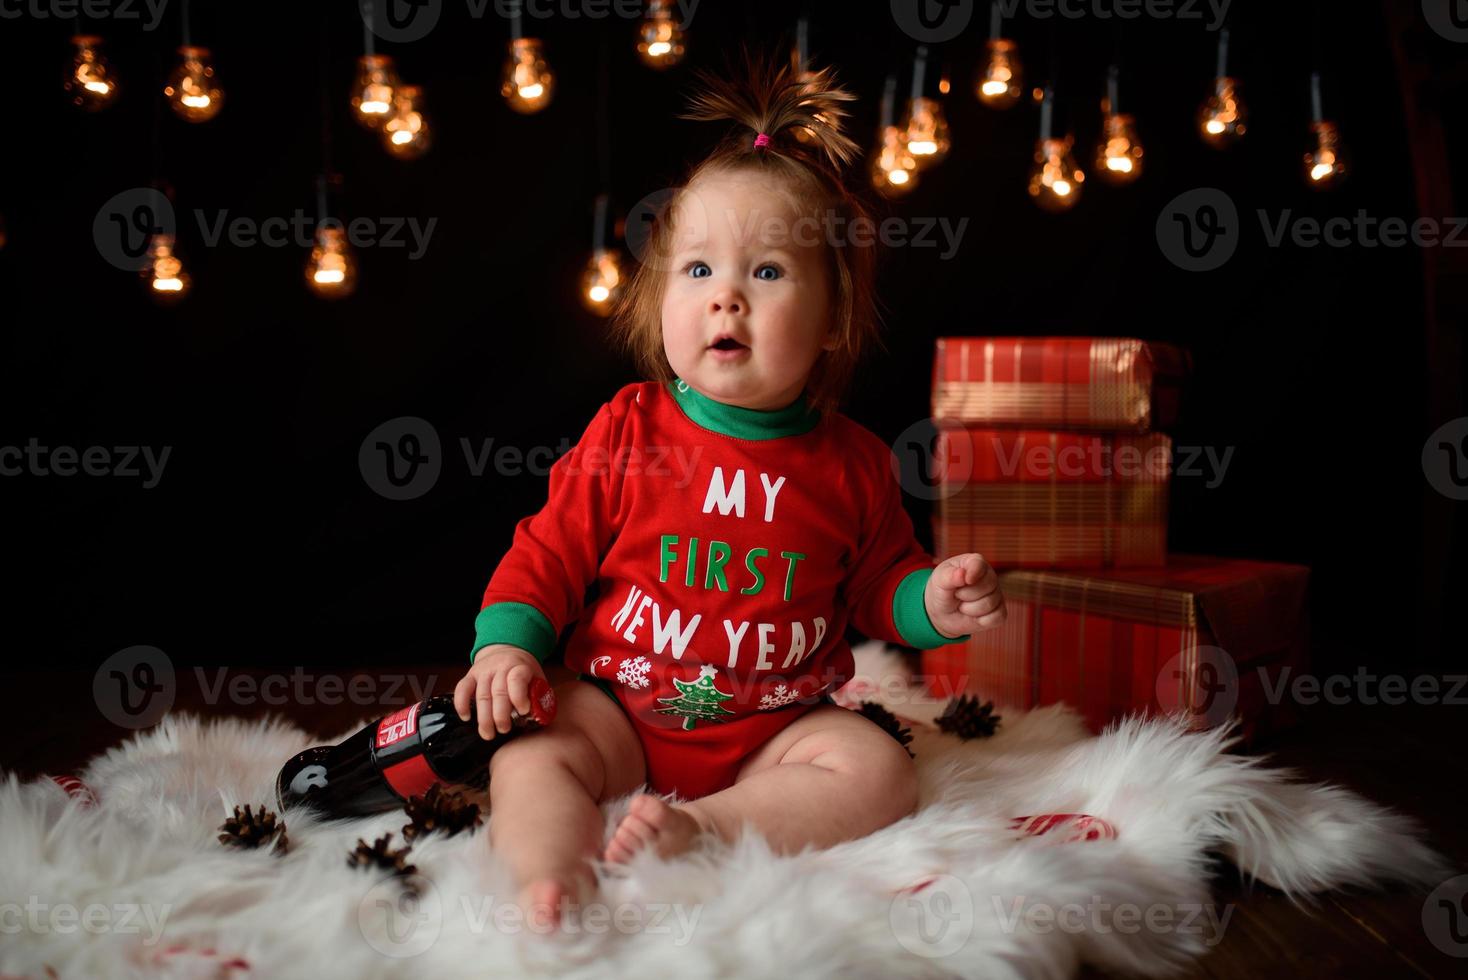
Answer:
x=962 y=596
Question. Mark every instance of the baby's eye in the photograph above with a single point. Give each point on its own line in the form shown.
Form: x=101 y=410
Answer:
x=698 y=270
x=773 y=270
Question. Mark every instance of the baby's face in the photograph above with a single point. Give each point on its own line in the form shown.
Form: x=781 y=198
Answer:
x=745 y=267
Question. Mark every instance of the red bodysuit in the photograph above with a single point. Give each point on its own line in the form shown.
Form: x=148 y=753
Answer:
x=709 y=557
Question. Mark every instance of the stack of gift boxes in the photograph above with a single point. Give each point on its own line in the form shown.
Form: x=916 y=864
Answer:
x=1054 y=465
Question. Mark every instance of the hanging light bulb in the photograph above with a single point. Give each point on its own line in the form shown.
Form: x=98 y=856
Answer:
x=1325 y=165
x=893 y=169
x=660 y=37
x=164 y=272
x=601 y=283
x=406 y=133
x=1119 y=154
x=331 y=272
x=528 y=82
x=372 y=93
x=1222 y=118
x=1055 y=182
x=1000 y=82
x=90 y=82
x=925 y=130
x=192 y=90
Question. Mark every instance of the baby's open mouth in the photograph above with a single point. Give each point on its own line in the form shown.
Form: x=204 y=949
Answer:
x=727 y=343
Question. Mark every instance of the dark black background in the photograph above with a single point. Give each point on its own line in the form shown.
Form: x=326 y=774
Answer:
x=263 y=544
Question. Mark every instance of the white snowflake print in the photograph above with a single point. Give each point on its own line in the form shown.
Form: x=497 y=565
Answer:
x=781 y=696
x=633 y=672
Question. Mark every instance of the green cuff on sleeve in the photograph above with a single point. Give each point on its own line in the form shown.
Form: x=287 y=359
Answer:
x=516 y=623
x=910 y=613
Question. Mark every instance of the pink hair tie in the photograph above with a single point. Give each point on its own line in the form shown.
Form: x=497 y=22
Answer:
x=762 y=140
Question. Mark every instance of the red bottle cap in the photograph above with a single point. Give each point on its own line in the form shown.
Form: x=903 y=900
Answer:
x=542 y=701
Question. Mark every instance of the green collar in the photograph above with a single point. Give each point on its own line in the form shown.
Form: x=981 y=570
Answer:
x=744 y=423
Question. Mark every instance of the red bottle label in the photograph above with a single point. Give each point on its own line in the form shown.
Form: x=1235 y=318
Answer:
x=411 y=777
x=397 y=726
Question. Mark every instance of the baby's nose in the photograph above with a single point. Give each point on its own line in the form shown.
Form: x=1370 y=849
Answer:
x=725 y=302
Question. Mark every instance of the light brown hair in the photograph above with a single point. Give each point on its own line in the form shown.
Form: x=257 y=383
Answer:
x=804 y=160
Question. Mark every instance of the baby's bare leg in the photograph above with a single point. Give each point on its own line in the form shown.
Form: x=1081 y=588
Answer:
x=544 y=790
x=831 y=775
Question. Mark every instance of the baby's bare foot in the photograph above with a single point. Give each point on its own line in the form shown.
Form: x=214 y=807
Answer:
x=651 y=822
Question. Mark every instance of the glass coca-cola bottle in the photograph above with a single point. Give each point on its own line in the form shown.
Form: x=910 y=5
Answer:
x=402 y=755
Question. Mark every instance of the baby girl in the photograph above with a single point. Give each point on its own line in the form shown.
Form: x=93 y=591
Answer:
x=713 y=533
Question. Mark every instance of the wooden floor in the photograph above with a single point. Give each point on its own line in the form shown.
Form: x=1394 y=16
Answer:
x=1401 y=756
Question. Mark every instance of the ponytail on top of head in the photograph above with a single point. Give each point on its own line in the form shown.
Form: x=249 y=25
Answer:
x=767 y=97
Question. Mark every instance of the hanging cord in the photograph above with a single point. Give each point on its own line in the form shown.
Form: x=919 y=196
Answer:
x=323 y=84
x=1222 y=54
x=919 y=71
x=1316 y=109
x=369 y=40
x=996 y=21
x=889 y=102
x=184 y=16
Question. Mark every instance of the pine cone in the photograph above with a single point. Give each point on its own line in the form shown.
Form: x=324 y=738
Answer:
x=249 y=830
x=380 y=855
x=439 y=809
x=888 y=723
x=967 y=719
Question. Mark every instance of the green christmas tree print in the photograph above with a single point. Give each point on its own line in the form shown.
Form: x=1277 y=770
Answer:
x=697 y=700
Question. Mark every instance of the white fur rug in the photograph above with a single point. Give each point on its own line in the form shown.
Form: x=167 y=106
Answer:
x=139 y=885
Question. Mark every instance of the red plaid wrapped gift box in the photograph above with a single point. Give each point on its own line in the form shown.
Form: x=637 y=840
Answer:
x=1093 y=383
x=1034 y=499
x=1207 y=637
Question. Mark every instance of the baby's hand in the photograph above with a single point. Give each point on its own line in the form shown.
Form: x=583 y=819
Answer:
x=962 y=596
x=498 y=681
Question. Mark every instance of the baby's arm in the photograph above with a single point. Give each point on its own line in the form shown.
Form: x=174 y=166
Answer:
x=893 y=589
x=540 y=583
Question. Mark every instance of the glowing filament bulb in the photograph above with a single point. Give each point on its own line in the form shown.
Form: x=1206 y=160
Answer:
x=1222 y=117
x=660 y=38
x=372 y=93
x=164 y=272
x=1325 y=166
x=406 y=133
x=601 y=284
x=1000 y=83
x=90 y=81
x=528 y=82
x=926 y=133
x=894 y=171
x=192 y=89
x=1055 y=183
x=331 y=272
x=1119 y=155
